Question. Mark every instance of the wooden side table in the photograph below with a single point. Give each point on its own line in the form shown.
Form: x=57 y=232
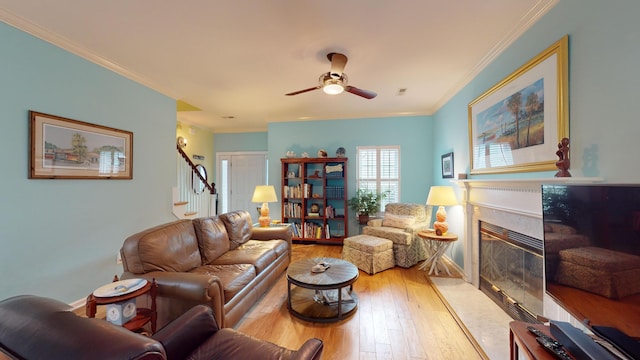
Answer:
x=143 y=315
x=438 y=244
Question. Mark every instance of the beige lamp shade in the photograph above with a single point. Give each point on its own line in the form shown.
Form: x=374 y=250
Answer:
x=441 y=196
x=264 y=194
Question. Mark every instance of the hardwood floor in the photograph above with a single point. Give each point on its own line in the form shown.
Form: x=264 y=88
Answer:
x=399 y=316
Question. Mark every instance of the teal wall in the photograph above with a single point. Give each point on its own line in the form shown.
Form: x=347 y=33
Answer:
x=59 y=238
x=238 y=142
x=412 y=134
x=250 y=141
x=604 y=54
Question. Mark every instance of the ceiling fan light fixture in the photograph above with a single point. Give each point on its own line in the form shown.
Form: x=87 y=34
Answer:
x=333 y=88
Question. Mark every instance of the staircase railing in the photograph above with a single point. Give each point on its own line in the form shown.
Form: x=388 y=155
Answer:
x=187 y=203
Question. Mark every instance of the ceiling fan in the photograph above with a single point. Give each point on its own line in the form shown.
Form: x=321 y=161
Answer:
x=335 y=81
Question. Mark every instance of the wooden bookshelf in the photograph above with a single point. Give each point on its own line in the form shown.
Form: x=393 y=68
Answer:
x=314 y=199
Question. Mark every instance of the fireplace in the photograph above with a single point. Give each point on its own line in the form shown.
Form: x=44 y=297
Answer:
x=514 y=207
x=511 y=271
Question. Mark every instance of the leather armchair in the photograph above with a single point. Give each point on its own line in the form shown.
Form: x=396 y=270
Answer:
x=41 y=328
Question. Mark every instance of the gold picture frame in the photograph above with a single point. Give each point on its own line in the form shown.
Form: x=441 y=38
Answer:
x=62 y=148
x=516 y=125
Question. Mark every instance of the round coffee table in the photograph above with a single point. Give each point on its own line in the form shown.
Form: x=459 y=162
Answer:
x=322 y=297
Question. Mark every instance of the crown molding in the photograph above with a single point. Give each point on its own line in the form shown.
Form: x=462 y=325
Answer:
x=530 y=18
x=76 y=49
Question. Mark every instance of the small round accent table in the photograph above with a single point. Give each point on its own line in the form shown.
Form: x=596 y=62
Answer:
x=143 y=315
x=438 y=245
x=322 y=297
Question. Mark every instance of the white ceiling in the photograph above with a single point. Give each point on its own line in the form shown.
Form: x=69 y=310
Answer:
x=238 y=57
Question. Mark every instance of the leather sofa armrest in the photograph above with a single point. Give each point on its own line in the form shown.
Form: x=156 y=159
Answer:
x=272 y=232
x=310 y=350
x=199 y=288
x=275 y=232
x=186 y=333
x=188 y=286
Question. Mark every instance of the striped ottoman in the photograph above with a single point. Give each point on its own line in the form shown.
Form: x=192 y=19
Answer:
x=369 y=253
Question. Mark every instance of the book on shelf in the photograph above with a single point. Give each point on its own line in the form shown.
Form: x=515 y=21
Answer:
x=330 y=297
x=297 y=231
x=306 y=190
x=292 y=191
x=292 y=209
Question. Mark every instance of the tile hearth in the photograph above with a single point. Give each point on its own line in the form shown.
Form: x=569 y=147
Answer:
x=485 y=320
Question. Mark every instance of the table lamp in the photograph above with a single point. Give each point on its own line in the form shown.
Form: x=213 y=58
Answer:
x=264 y=194
x=441 y=196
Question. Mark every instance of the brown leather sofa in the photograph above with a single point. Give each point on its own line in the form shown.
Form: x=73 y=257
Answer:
x=35 y=327
x=222 y=261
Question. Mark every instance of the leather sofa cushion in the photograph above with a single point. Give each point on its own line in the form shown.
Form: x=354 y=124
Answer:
x=258 y=253
x=213 y=238
x=238 y=224
x=168 y=247
x=234 y=277
x=281 y=247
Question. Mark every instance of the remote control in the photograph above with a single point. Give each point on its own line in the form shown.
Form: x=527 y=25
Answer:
x=557 y=351
x=547 y=338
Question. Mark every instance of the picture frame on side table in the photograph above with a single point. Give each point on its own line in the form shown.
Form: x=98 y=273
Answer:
x=62 y=148
x=516 y=125
x=447 y=166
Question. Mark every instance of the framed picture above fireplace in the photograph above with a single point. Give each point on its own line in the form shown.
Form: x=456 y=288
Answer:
x=516 y=125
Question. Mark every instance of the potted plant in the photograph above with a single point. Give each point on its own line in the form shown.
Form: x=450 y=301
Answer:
x=366 y=203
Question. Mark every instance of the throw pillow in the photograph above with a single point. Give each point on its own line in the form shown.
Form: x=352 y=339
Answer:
x=398 y=221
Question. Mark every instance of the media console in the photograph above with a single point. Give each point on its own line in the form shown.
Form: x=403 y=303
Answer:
x=575 y=342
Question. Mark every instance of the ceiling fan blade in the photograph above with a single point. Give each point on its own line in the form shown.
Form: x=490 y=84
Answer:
x=360 y=92
x=338 y=62
x=304 y=91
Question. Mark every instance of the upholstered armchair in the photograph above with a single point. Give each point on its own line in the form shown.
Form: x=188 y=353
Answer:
x=401 y=224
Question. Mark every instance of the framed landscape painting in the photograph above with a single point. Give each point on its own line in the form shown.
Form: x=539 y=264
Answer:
x=63 y=148
x=517 y=124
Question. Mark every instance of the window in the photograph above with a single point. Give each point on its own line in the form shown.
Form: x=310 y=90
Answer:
x=378 y=169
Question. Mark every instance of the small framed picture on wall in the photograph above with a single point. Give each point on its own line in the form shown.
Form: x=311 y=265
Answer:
x=447 y=165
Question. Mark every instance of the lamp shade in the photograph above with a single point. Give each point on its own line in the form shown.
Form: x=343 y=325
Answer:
x=264 y=194
x=442 y=196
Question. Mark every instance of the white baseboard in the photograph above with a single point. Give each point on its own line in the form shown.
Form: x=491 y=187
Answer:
x=78 y=304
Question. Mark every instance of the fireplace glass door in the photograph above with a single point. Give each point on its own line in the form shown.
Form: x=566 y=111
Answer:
x=511 y=271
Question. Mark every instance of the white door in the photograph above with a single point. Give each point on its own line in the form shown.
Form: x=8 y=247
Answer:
x=238 y=175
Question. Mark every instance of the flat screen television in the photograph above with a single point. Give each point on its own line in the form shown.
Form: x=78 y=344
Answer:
x=592 y=252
